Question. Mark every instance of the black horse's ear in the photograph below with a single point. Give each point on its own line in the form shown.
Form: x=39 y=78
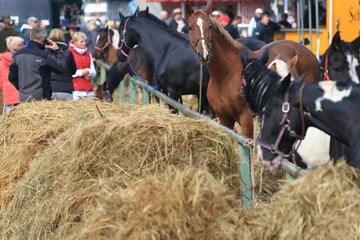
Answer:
x=122 y=17
x=208 y=8
x=136 y=12
x=244 y=56
x=356 y=44
x=188 y=8
x=300 y=79
x=265 y=57
x=336 y=40
x=106 y=28
x=284 y=84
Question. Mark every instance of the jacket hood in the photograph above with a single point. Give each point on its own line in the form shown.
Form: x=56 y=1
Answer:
x=62 y=45
x=25 y=26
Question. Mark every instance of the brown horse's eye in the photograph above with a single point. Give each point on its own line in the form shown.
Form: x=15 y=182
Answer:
x=190 y=28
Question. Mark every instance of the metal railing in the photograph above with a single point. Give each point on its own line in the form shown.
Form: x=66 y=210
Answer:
x=244 y=145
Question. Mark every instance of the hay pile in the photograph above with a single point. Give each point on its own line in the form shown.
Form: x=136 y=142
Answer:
x=91 y=170
x=71 y=155
x=323 y=205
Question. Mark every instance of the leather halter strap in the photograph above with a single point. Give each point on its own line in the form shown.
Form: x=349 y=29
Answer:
x=326 y=67
x=123 y=43
x=108 y=42
x=286 y=126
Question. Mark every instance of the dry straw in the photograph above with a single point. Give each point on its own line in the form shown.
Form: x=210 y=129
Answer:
x=323 y=205
x=61 y=156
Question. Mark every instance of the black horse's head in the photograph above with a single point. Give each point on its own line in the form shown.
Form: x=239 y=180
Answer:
x=257 y=81
x=281 y=124
x=129 y=38
x=341 y=60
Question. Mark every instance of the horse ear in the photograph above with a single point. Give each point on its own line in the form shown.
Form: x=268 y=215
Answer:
x=336 y=40
x=300 y=79
x=284 y=84
x=356 y=44
x=188 y=8
x=244 y=56
x=208 y=7
x=122 y=17
x=106 y=28
x=136 y=12
x=147 y=9
x=265 y=57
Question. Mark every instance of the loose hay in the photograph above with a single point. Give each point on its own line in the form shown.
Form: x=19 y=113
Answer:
x=72 y=152
x=174 y=205
x=323 y=205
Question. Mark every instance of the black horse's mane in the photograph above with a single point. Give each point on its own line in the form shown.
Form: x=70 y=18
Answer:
x=159 y=23
x=258 y=84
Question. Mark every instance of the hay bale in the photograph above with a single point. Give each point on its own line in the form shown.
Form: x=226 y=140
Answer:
x=31 y=127
x=96 y=153
x=179 y=204
x=323 y=205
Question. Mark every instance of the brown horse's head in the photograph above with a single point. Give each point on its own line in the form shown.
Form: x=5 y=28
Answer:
x=103 y=43
x=200 y=27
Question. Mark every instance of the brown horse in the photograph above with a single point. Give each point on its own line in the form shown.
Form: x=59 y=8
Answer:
x=221 y=54
x=104 y=48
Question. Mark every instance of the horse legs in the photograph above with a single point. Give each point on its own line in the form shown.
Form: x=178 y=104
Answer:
x=246 y=123
x=354 y=159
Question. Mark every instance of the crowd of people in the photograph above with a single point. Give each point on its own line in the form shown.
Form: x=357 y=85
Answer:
x=36 y=66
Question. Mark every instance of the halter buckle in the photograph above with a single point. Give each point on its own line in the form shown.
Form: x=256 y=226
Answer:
x=285 y=107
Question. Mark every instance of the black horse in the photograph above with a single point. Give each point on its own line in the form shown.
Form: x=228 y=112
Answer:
x=258 y=85
x=175 y=67
x=340 y=62
x=293 y=106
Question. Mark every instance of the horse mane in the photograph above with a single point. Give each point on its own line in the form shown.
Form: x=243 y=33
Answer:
x=221 y=30
x=258 y=85
x=148 y=16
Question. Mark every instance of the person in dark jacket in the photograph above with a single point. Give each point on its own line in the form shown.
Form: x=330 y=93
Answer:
x=225 y=22
x=7 y=31
x=178 y=23
x=61 y=84
x=31 y=67
x=266 y=28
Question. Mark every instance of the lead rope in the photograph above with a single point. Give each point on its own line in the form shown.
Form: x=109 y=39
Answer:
x=200 y=88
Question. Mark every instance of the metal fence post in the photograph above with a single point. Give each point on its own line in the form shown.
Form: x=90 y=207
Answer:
x=122 y=91
x=245 y=173
x=132 y=92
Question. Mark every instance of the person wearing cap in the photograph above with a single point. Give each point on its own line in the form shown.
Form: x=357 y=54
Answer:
x=10 y=94
x=178 y=23
x=225 y=22
x=8 y=30
x=254 y=21
x=71 y=29
x=25 y=29
x=31 y=67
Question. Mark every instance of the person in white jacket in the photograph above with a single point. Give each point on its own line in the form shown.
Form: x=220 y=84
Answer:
x=32 y=22
x=254 y=21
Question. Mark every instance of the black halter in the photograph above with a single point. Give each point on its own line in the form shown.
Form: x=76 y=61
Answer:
x=124 y=44
x=286 y=126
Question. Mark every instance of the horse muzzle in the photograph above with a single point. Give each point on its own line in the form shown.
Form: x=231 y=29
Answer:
x=271 y=165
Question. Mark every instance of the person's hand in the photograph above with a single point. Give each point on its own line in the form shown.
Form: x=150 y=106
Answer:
x=181 y=25
x=85 y=73
x=52 y=45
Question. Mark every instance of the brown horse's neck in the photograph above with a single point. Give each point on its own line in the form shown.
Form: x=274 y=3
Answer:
x=225 y=58
x=112 y=57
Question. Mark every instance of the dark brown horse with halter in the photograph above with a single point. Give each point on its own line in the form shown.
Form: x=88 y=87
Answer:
x=104 y=47
x=221 y=54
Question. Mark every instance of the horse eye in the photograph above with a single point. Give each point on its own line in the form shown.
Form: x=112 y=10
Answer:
x=190 y=28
